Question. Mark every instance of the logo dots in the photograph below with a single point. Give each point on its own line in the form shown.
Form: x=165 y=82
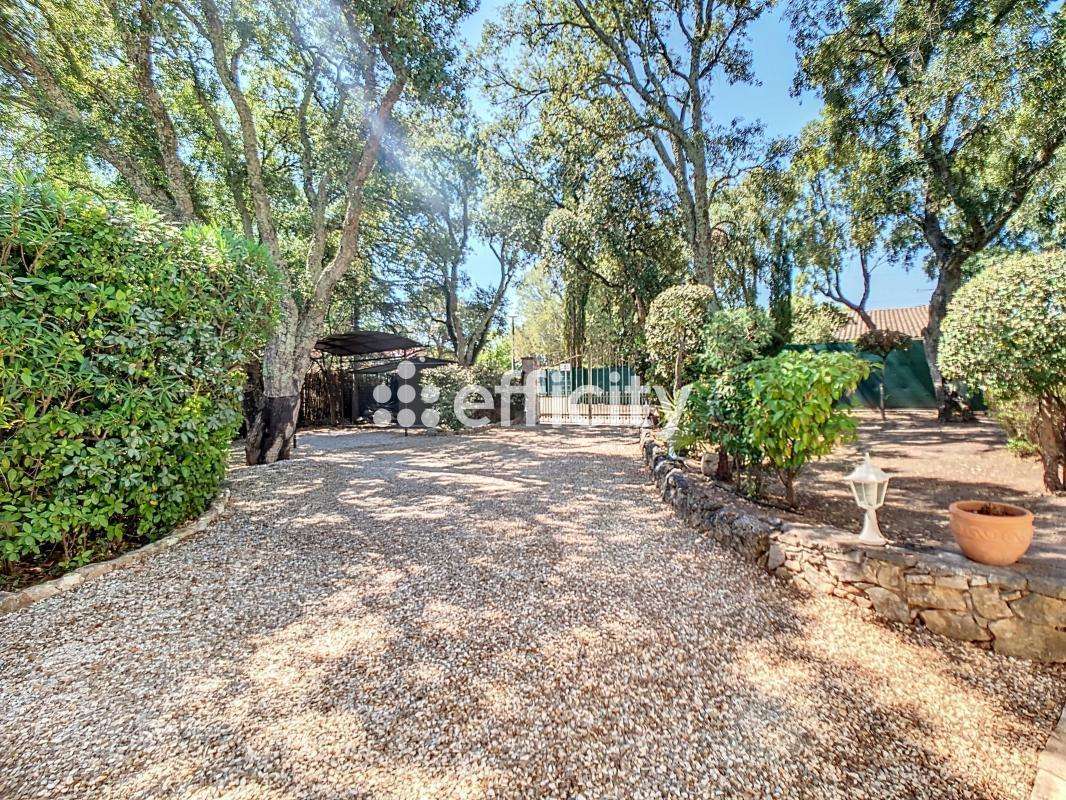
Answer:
x=405 y=395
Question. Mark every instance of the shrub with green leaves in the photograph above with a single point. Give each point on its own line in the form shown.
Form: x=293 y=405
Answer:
x=491 y=376
x=122 y=341
x=735 y=336
x=449 y=380
x=815 y=322
x=1018 y=416
x=716 y=415
x=1006 y=331
x=793 y=415
x=674 y=331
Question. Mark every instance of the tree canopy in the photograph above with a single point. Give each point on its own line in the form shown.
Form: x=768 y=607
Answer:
x=957 y=107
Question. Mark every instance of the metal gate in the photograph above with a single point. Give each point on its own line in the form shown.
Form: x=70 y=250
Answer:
x=590 y=391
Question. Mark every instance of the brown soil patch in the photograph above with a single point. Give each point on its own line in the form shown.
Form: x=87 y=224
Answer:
x=932 y=466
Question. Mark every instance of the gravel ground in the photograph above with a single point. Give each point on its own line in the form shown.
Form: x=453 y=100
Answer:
x=508 y=613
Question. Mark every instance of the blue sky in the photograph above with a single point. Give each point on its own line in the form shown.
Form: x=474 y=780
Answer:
x=782 y=114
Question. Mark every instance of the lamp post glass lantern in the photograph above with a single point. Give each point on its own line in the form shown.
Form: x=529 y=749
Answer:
x=868 y=485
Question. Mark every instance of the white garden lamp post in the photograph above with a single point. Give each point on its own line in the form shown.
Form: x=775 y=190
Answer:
x=869 y=483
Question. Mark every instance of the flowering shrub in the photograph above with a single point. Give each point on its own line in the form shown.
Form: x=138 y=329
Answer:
x=122 y=342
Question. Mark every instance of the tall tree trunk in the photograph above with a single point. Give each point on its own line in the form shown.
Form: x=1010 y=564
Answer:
x=949 y=279
x=272 y=431
x=780 y=300
x=1051 y=439
x=288 y=353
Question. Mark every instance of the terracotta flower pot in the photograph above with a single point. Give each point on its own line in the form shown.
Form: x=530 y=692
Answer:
x=998 y=536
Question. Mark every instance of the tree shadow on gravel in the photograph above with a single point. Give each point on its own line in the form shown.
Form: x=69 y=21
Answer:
x=520 y=614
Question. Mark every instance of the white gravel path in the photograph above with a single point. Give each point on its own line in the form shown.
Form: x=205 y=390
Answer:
x=507 y=613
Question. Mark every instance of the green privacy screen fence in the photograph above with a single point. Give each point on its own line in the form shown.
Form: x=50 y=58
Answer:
x=907 y=380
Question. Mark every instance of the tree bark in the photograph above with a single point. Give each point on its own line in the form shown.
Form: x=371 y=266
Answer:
x=1051 y=439
x=723 y=472
x=272 y=434
x=789 y=482
x=949 y=279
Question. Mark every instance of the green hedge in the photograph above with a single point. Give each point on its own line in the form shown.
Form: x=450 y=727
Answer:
x=121 y=346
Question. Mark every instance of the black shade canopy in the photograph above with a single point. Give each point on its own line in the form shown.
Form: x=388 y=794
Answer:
x=358 y=343
x=419 y=361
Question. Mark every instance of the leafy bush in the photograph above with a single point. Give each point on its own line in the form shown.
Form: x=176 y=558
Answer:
x=734 y=336
x=495 y=356
x=1006 y=331
x=716 y=415
x=674 y=330
x=490 y=376
x=1018 y=418
x=881 y=343
x=793 y=415
x=449 y=381
x=814 y=322
x=122 y=343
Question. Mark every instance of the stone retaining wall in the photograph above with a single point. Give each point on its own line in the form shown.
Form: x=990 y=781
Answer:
x=1000 y=608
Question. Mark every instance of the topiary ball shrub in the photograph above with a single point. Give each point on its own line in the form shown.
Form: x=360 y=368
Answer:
x=674 y=331
x=735 y=336
x=1006 y=331
x=122 y=342
x=881 y=343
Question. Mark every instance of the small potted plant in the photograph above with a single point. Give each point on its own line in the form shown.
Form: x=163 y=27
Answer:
x=990 y=532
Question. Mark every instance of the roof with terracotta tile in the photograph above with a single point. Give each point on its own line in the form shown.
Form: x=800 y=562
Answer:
x=909 y=320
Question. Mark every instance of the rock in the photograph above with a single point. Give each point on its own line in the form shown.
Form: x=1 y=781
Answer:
x=890 y=577
x=889 y=604
x=1041 y=609
x=952 y=582
x=988 y=603
x=931 y=596
x=775 y=557
x=1005 y=578
x=818 y=579
x=919 y=578
x=954 y=626
x=895 y=555
x=11 y=601
x=844 y=570
x=855 y=556
x=708 y=464
x=1016 y=637
x=1052 y=587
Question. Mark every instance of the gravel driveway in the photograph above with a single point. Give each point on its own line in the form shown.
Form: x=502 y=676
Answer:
x=507 y=613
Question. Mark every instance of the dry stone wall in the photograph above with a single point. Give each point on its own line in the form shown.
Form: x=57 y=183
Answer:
x=999 y=608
